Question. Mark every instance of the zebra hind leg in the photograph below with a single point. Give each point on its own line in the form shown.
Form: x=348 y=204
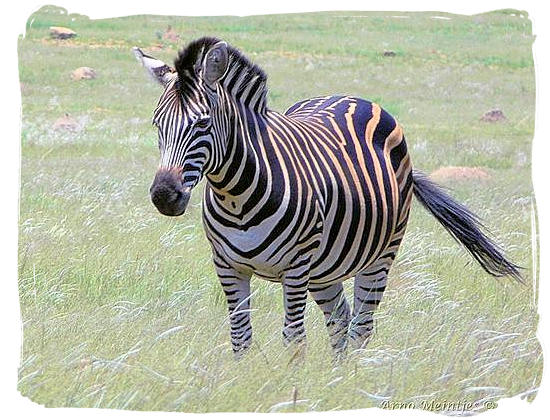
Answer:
x=368 y=290
x=332 y=301
x=236 y=287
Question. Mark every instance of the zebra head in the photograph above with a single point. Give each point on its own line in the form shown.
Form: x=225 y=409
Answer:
x=188 y=120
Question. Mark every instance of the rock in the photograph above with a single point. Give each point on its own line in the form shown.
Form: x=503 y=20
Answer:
x=493 y=115
x=388 y=53
x=84 y=73
x=66 y=123
x=59 y=32
x=459 y=173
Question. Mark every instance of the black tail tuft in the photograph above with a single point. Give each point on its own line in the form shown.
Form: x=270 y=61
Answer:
x=464 y=226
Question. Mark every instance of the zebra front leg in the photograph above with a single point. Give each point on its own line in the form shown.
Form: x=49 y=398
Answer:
x=368 y=290
x=333 y=303
x=236 y=286
x=295 y=286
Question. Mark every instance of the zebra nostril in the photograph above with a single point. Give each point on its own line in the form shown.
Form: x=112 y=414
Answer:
x=174 y=197
x=161 y=195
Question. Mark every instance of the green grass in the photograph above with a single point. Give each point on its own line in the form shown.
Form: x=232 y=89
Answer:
x=121 y=307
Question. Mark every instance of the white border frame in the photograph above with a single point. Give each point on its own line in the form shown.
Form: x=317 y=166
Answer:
x=14 y=24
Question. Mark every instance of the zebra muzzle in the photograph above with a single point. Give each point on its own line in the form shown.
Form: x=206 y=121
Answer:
x=168 y=194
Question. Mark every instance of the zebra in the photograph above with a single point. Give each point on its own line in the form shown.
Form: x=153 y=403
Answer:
x=307 y=198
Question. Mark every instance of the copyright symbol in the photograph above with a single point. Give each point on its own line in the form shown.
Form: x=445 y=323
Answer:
x=490 y=405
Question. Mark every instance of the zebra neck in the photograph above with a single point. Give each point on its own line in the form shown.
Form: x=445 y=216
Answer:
x=247 y=172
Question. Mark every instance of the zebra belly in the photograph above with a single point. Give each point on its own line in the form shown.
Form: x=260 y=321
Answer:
x=258 y=265
x=353 y=249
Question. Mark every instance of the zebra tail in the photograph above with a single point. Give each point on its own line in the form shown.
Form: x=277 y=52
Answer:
x=464 y=226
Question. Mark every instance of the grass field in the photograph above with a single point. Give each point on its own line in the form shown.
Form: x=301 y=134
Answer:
x=120 y=305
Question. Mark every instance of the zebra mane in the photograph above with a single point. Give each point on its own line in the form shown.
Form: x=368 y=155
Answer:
x=188 y=58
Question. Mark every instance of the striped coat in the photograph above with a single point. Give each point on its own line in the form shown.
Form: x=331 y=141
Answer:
x=352 y=195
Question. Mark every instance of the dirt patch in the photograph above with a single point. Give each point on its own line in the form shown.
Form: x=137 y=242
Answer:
x=460 y=173
x=84 y=73
x=155 y=47
x=170 y=35
x=66 y=123
x=110 y=44
x=494 y=115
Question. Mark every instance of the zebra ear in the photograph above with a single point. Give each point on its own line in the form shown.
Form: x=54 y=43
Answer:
x=215 y=63
x=157 y=69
